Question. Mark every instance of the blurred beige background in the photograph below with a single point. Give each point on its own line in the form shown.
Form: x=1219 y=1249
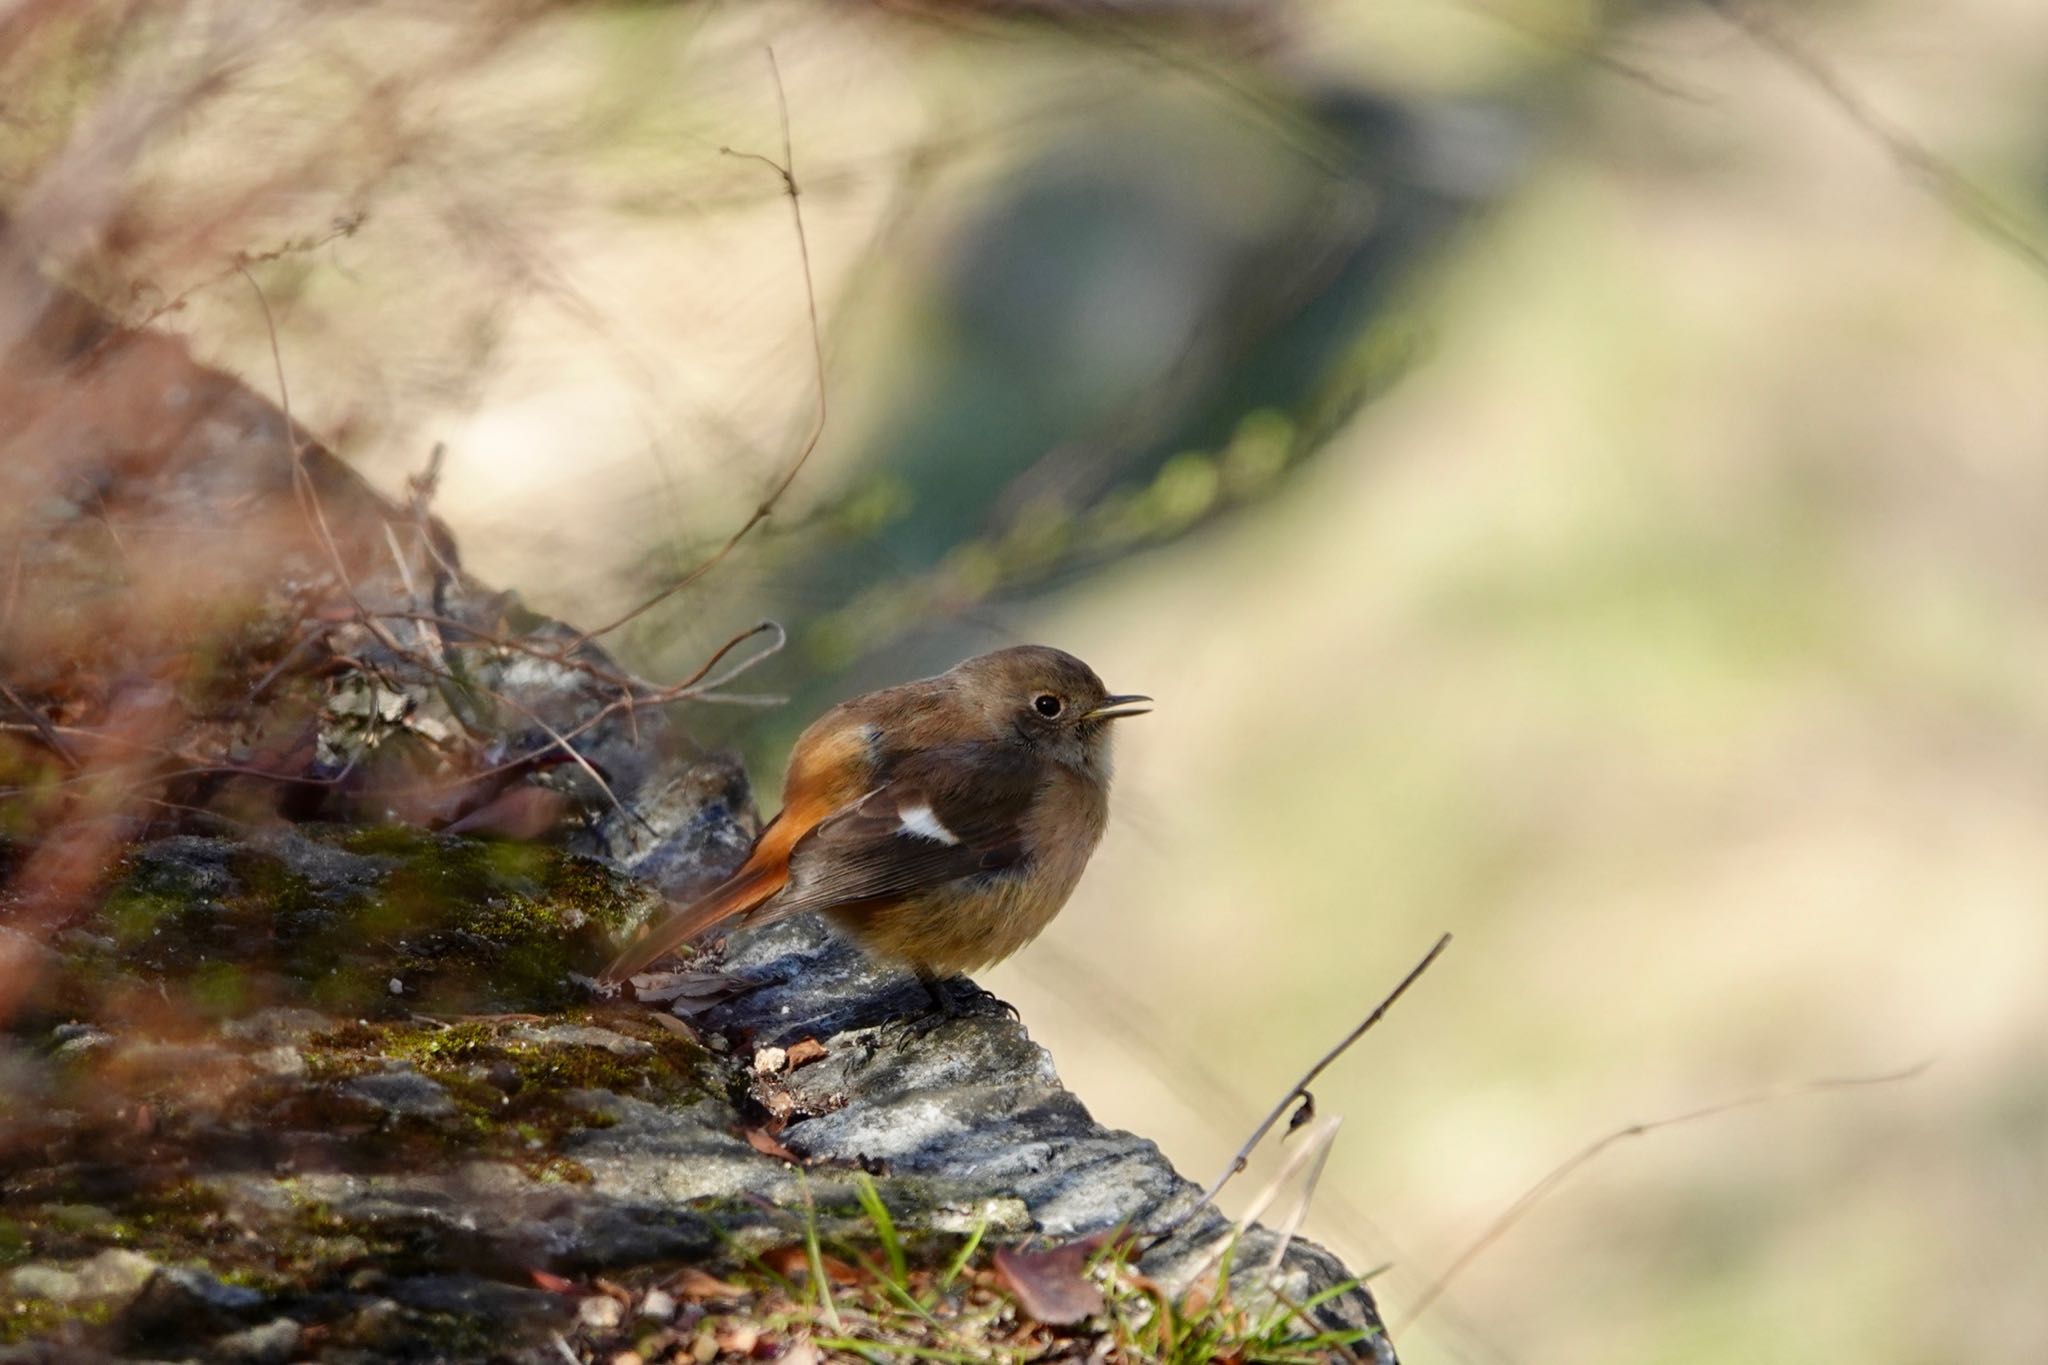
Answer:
x=1674 y=632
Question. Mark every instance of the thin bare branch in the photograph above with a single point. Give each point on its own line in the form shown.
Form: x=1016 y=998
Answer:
x=1313 y=1150
x=1212 y=1100
x=786 y=168
x=560 y=741
x=316 y=515
x=1965 y=198
x=690 y=688
x=1597 y=50
x=302 y=482
x=1315 y=1154
x=44 y=730
x=1558 y=1174
x=346 y=225
x=1299 y=1090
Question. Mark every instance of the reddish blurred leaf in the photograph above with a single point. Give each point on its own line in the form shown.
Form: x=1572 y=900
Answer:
x=692 y=1283
x=554 y=1284
x=803 y=1052
x=794 y=1262
x=524 y=812
x=762 y=1141
x=788 y=1261
x=1052 y=1286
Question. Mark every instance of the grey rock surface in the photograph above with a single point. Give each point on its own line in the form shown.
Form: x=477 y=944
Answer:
x=380 y=1174
x=403 y=1092
x=974 y=1108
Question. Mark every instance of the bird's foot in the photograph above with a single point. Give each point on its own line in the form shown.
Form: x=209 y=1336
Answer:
x=960 y=998
x=950 y=999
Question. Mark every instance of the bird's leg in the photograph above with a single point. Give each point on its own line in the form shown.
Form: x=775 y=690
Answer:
x=951 y=998
x=960 y=998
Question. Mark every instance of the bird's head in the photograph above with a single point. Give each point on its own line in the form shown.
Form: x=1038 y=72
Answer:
x=1048 y=699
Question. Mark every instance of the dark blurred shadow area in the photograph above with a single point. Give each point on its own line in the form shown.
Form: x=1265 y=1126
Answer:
x=1153 y=320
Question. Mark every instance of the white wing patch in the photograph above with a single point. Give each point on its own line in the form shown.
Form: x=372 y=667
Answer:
x=920 y=820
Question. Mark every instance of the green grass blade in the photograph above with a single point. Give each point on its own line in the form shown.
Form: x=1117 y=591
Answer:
x=899 y=1348
x=966 y=1253
x=1323 y=1296
x=815 y=1254
x=885 y=1227
x=752 y=1258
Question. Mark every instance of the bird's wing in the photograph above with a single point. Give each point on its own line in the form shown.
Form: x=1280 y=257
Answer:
x=943 y=814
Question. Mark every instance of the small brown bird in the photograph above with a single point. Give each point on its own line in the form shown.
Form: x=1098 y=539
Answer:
x=943 y=822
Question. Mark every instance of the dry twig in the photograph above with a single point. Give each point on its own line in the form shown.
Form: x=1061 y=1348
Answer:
x=1299 y=1090
x=786 y=168
x=1963 y=196
x=1558 y=1174
x=44 y=730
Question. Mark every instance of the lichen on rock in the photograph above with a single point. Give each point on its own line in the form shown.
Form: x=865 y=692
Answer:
x=372 y=920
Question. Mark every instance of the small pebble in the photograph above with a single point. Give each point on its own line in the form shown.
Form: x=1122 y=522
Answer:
x=658 y=1305
x=397 y=986
x=600 y=1312
x=279 y=1061
x=770 y=1060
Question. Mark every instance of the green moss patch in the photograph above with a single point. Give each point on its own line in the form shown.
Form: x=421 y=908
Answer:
x=332 y=918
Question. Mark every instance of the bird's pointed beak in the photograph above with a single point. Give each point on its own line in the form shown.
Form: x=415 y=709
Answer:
x=1115 y=708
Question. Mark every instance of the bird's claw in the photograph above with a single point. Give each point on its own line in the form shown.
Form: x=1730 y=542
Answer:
x=961 y=998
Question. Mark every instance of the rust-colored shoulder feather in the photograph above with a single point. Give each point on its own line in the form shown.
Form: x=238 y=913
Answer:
x=830 y=769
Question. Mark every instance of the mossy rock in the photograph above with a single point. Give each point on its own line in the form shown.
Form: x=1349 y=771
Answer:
x=382 y=920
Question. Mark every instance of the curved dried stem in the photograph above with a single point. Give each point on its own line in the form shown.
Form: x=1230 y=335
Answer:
x=1299 y=1090
x=786 y=168
x=1563 y=1171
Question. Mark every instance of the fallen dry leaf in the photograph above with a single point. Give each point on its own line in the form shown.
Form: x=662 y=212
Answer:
x=794 y=1262
x=1051 y=1286
x=675 y=1026
x=554 y=1284
x=692 y=1283
x=762 y=1141
x=805 y=1051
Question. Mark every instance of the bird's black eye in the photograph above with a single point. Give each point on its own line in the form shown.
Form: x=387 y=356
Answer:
x=1047 y=705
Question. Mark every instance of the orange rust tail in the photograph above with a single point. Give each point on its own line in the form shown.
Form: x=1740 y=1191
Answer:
x=741 y=892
